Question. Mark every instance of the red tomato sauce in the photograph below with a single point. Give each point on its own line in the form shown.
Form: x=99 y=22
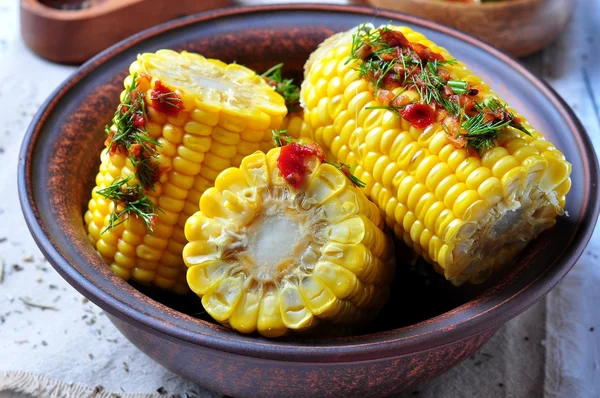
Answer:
x=165 y=100
x=292 y=162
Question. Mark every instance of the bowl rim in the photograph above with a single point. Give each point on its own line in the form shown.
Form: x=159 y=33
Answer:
x=378 y=345
x=484 y=6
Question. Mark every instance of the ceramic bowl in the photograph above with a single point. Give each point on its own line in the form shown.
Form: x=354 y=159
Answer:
x=428 y=325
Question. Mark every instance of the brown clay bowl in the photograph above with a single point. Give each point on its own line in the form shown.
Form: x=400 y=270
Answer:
x=519 y=27
x=73 y=31
x=427 y=326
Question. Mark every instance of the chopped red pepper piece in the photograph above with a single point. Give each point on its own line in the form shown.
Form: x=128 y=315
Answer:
x=136 y=150
x=419 y=115
x=393 y=38
x=458 y=141
x=292 y=161
x=138 y=121
x=425 y=52
x=165 y=100
x=385 y=96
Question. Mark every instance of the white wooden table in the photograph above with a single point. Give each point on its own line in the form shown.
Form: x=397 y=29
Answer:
x=553 y=349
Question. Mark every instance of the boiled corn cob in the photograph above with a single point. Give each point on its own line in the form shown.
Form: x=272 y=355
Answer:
x=185 y=118
x=460 y=177
x=272 y=251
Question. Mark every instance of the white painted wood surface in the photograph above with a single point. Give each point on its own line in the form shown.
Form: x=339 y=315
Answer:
x=551 y=350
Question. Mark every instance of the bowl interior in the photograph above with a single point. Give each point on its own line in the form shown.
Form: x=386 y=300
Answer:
x=60 y=158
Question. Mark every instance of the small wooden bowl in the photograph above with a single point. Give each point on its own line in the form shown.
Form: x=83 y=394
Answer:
x=427 y=325
x=518 y=27
x=73 y=31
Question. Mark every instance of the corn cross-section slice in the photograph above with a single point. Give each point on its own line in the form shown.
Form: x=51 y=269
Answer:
x=270 y=258
x=227 y=112
x=466 y=214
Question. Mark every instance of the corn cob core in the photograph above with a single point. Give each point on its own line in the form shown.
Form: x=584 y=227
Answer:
x=266 y=257
x=228 y=112
x=468 y=215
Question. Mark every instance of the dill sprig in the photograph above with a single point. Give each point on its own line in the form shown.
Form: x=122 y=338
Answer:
x=131 y=109
x=128 y=199
x=480 y=125
x=481 y=131
x=427 y=82
x=282 y=137
x=369 y=47
x=285 y=87
x=367 y=35
x=375 y=70
x=146 y=170
x=130 y=136
x=498 y=108
x=129 y=121
x=481 y=135
x=348 y=172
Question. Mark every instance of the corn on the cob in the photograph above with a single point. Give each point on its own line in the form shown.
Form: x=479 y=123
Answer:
x=195 y=118
x=467 y=201
x=268 y=257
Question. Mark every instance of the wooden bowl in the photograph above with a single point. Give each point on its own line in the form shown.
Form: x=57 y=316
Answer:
x=73 y=31
x=519 y=27
x=427 y=326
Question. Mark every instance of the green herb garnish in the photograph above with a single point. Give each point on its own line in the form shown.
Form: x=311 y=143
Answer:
x=480 y=124
x=348 y=172
x=132 y=200
x=282 y=137
x=285 y=87
x=482 y=131
x=130 y=136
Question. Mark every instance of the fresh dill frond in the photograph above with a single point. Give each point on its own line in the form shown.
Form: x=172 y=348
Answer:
x=496 y=107
x=130 y=132
x=285 y=87
x=348 y=172
x=375 y=70
x=274 y=71
x=146 y=170
x=130 y=136
x=480 y=134
x=282 y=137
x=128 y=199
x=429 y=85
x=381 y=53
x=365 y=34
